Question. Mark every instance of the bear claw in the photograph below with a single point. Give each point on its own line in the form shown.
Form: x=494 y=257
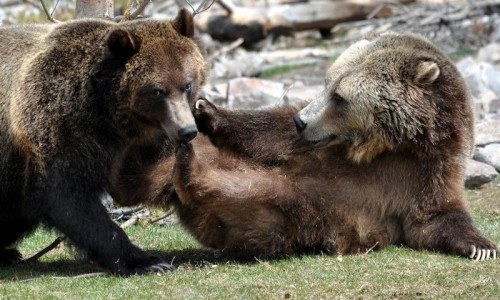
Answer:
x=482 y=254
x=158 y=268
x=200 y=103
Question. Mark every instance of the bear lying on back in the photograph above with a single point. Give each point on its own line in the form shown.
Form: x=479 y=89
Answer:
x=73 y=97
x=379 y=161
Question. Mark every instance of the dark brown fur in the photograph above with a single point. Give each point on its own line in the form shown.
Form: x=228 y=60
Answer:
x=73 y=97
x=387 y=144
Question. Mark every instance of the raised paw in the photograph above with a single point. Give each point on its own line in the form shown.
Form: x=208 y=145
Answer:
x=9 y=257
x=205 y=114
x=483 y=253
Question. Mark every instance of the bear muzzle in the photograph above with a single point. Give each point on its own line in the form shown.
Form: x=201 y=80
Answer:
x=187 y=133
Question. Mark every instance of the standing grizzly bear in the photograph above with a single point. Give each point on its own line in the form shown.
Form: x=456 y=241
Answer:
x=73 y=97
x=379 y=160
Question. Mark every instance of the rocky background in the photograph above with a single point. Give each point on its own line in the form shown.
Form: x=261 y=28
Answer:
x=265 y=52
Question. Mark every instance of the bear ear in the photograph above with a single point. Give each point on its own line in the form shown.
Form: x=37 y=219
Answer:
x=121 y=44
x=184 y=23
x=427 y=72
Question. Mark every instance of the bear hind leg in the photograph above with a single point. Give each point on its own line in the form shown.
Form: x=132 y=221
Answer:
x=452 y=233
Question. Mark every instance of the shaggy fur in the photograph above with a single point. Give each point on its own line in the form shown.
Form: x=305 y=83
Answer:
x=73 y=97
x=379 y=161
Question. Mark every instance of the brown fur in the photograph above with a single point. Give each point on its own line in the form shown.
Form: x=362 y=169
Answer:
x=73 y=98
x=387 y=144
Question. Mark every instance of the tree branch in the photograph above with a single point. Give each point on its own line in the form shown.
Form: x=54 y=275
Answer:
x=49 y=15
x=227 y=5
x=129 y=15
x=41 y=253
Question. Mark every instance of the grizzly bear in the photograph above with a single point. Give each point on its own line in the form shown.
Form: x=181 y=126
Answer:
x=73 y=97
x=379 y=160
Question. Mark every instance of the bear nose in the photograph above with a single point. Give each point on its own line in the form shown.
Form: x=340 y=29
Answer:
x=187 y=133
x=299 y=124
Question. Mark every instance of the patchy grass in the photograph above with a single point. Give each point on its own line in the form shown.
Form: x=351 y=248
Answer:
x=462 y=52
x=394 y=272
x=283 y=69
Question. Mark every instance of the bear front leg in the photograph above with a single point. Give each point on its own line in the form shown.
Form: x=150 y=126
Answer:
x=265 y=136
x=452 y=233
x=9 y=257
x=74 y=208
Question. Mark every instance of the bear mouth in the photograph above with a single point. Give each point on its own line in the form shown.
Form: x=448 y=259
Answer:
x=324 y=142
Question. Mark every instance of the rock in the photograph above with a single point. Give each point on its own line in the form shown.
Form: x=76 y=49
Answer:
x=490 y=77
x=489 y=154
x=213 y=96
x=483 y=82
x=251 y=92
x=478 y=173
x=471 y=72
x=484 y=104
x=495 y=106
x=108 y=202
x=488 y=132
x=490 y=54
x=299 y=93
x=240 y=63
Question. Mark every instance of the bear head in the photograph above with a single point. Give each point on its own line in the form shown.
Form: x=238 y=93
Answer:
x=395 y=92
x=163 y=69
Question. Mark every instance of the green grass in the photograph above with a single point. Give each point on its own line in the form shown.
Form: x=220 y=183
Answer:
x=392 y=273
x=462 y=52
x=283 y=69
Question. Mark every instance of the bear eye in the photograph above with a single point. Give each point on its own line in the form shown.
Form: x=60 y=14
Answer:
x=157 y=92
x=337 y=98
x=188 y=87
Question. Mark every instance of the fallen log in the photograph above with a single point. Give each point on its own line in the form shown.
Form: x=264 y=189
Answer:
x=256 y=23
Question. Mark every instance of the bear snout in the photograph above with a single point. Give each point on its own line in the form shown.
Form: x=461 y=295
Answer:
x=187 y=133
x=299 y=124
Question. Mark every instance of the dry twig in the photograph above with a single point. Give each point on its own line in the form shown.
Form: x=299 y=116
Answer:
x=204 y=6
x=227 y=48
x=168 y=214
x=41 y=253
x=227 y=5
x=49 y=15
x=129 y=15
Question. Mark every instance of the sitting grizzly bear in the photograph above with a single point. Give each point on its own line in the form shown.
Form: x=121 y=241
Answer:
x=73 y=98
x=379 y=160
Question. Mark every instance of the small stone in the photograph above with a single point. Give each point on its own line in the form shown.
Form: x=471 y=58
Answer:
x=490 y=77
x=302 y=93
x=488 y=132
x=471 y=73
x=489 y=154
x=478 y=173
x=490 y=54
x=251 y=92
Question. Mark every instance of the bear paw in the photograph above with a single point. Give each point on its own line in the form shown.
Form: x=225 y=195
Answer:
x=205 y=114
x=483 y=253
x=9 y=257
x=158 y=266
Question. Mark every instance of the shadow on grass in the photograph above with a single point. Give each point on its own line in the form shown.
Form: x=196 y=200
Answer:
x=190 y=258
x=59 y=268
